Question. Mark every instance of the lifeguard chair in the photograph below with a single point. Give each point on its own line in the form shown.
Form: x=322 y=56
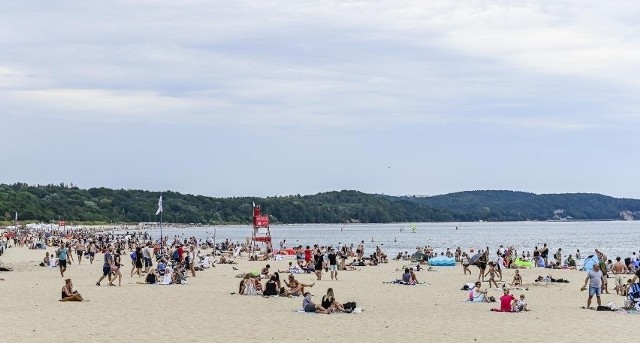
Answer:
x=261 y=232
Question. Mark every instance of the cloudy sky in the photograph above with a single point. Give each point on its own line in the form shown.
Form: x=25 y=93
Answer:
x=228 y=98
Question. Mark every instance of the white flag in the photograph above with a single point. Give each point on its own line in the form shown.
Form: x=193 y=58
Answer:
x=16 y=216
x=159 y=206
x=254 y=204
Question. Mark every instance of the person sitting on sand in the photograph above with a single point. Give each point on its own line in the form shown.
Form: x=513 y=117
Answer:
x=45 y=261
x=520 y=305
x=264 y=273
x=271 y=287
x=478 y=295
x=68 y=294
x=517 y=279
x=329 y=301
x=150 y=279
x=507 y=301
x=296 y=287
x=309 y=306
x=406 y=277
x=414 y=278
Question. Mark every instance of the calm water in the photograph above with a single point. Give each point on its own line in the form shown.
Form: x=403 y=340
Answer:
x=614 y=238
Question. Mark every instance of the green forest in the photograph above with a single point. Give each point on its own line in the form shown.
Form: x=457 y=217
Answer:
x=51 y=203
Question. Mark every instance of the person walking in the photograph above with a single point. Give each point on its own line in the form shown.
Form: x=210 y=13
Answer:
x=594 y=279
x=106 y=266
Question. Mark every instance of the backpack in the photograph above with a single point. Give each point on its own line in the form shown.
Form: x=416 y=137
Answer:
x=133 y=255
x=175 y=255
x=349 y=306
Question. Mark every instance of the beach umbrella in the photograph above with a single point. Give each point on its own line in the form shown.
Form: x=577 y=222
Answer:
x=475 y=258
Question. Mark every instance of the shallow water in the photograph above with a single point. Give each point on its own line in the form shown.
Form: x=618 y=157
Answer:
x=614 y=238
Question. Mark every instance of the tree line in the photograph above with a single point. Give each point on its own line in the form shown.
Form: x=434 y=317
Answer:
x=50 y=203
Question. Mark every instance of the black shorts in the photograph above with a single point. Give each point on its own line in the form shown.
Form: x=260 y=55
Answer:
x=80 y=252
x=106 y=270
x=62 y=263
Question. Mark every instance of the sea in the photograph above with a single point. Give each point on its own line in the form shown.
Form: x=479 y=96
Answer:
x=614 y=238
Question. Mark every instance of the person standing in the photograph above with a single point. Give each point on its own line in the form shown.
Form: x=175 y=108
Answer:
x=333 y=264
x=594 y=278
x=62 y=259
x=544 y=254
x=146 y=254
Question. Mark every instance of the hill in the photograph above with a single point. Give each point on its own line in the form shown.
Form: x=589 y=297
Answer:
x=50 y=203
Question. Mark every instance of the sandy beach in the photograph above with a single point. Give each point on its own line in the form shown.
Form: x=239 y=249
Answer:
x=204 y=310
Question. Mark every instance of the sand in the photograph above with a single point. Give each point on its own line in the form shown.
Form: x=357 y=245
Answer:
x=206 y=311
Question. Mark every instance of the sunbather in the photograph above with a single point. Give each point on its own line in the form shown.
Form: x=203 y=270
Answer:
x=68 y=294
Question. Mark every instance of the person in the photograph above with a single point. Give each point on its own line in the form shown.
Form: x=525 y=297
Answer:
x=406 y=277
x=517 y=279
x=318 y=264
x=507 y=301
x=115 y=269
x=414 y=278
x=92 y=251
x=106 y=267
x=594 y=278
x=492 y=274
x=478 y=295
x=465 y=264
x=271 y=287
x=265 y=271
x=68 y=294
x=520 y=305
x=192 y=261
x=138 y=262
x=333 y=264
x=544 y=254
x=296 y=287
x=309 y=306
x=147 y=253
x=80 y=250
x=46 y=260
x=62 y=259
x=329 y=301
x=618 y=269
x=482 y=265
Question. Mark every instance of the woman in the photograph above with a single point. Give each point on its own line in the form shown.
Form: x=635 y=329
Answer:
x=192 y=261
x=68 y=294
x=138 y=262
x=477 y=294
x=465 y=264
x=271 y=287
x=296 y=288
x=115 y=269
x=482 y=265
x=406 y=277
x=517 y=279
x=329 y=301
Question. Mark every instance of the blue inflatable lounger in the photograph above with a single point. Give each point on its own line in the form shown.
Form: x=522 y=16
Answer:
x=442 y=261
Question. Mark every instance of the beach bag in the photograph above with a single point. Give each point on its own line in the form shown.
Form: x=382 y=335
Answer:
x=349 y=306
x=133 y=256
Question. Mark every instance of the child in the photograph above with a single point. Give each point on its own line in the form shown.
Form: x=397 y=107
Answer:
x=520 y=305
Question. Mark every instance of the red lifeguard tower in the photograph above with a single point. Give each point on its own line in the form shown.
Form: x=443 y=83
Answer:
x=261 y=232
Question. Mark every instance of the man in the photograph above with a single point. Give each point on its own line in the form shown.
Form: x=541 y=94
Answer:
x=106 y=267
x=594 y=278
x=544 y=253
x=333 y=264
x=618 y=269
x=62 y=259
x=147 y=253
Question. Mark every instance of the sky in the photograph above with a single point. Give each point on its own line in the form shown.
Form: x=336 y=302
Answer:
x=269 y=98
